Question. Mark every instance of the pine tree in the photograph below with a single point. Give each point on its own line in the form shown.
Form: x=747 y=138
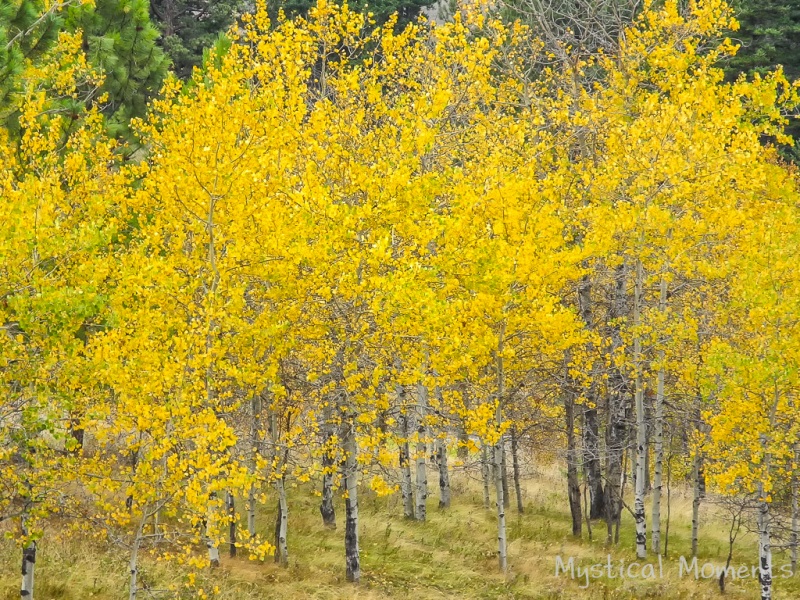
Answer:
x=188 y=27
x=407 y=10
x=26 y=33
x=769 y=34
x=120 y=39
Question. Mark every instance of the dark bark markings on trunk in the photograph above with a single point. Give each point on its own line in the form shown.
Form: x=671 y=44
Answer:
x=515 y=467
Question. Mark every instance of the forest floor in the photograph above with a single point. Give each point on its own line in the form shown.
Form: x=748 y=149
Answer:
x=452 y=555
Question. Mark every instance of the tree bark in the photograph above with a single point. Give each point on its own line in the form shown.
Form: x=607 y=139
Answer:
x=573 y=483
x=498 y=459
x=591 y=428
x=352 y=557
x=515 y=467
x=444 y=475
x=658 y=431
x=28 y=564
x=422 y=451
x=133 y=563
x=213 y=549
x=463 y=437
x=591 y=460
x=485 y=474
x=616 y=430
x=255 y=407
x=406 y=487
x=326 y=508
x=764 y=547
x=795 y=535
x=504 y=471
x=697 y=469
x=641 y=433
x=231 y=505
x=501 y=511
x=282 y=525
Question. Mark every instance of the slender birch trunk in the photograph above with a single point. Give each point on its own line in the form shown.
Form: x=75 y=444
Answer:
x=326 y=508
x=255 y=408
x=133 y=563
x=504 y=471
x=28 y=564
x=211 y=544
x=211 y=326
x=463 y=437
x=501 y=511
x=515 y=468
x=230 y=504
x=641 y=433
x=352 y=558
x=251 y=512
x=696 y=475
x=406 y=488
x=573 y=484
x=586 y=512
x=617 y=429
x=498 y=449
x=669 y=497
x=282 y=525
x=648 y=417
x=658 y=432
x=764 y=546
x=485 y=474
x=618 y=524
x=444 y=475
x=795 y=534
x=591 y=460
x=591 y=427
x=422 y=451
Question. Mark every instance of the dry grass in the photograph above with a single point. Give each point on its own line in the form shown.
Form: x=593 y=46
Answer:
x=450 y=556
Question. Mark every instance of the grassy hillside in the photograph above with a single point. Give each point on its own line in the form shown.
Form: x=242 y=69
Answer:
x=450 y=556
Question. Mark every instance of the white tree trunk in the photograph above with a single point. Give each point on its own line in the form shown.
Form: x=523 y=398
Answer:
x=255 y=409
x=282 y=547
x=485 y=474
x=502 y=545
x=28 y=564
x=230 y=505
x=444 y=475
x=504 y=472
x=795 y=535
x=211 y=544
x=326 y=507
x=764 y=548
x=515 y=467
x=696 y=474
x=658 y=433
x=641 y=432
x=251 y=512
x=133 y=564
x=352 y=556
x=406 y=488
x=422 y=461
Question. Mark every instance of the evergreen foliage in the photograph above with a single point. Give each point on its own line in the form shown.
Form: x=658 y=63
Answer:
x=407 y=10
x=120 y=40
x=769 y=34
x=26 y=32
x=188 y=27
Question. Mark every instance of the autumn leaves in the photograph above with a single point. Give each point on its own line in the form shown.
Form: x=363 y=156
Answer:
x=342 y=247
